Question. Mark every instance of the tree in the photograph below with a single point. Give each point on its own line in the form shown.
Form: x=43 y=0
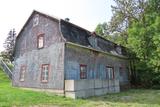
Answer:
x=135 y=24
x=9 y=45
x=144 y=34
x=102 y=29
x=144 y=39
x=124 y=13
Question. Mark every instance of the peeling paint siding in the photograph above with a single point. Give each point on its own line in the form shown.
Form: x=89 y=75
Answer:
x=28 y=54
x=96 y=63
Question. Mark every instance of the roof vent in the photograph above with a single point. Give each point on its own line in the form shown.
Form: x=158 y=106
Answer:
x=67 y=19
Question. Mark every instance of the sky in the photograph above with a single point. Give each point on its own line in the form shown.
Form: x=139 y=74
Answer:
x=84 y=13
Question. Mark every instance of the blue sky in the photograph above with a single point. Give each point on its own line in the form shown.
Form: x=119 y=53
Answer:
x=85 y=13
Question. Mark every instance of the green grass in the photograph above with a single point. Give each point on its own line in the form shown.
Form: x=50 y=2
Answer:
x=11 y=96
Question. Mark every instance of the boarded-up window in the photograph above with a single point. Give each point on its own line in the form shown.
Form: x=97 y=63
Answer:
x=22 y=73
x=45 y=73
x=40 y=41
x=83 y=71
x=109 y=72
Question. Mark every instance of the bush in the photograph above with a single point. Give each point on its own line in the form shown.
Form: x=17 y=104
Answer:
x=147 y=77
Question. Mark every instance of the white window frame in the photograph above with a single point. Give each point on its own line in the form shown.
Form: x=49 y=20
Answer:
x=22 y=73
x=110 y=72
x=45 y=72
x=40 y=41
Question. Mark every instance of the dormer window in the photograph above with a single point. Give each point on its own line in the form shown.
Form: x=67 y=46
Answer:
x=40 y=41
x=119 y=50
x=93 y=40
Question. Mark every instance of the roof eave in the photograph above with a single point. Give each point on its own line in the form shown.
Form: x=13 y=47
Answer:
x=90 y=48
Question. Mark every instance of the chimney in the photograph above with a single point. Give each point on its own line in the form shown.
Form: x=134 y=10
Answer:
x=67 y=19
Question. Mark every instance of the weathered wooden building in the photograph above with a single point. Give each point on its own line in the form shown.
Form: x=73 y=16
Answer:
x=54 y=54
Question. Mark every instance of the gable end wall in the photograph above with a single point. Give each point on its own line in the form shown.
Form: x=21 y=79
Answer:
x=33 y=58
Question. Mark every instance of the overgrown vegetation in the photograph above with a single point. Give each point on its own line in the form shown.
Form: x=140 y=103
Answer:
x=16 y=97
x=135 y=24
x=144 y=39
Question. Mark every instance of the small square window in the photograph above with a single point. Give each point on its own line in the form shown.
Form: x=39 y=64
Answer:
x=109 y=72
x=22 y=73
x=40 y=41
x=45 y=73
x=83 y=71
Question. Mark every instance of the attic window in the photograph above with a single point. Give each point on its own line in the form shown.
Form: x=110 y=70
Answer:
x=119 y=50
x=40 y=41
x=22 y=73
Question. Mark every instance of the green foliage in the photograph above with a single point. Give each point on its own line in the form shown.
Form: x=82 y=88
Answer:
x=9 y=45
x=136 y=25
x=144 y=39
x=124 y=13
x=101 y=29
x=4 y=56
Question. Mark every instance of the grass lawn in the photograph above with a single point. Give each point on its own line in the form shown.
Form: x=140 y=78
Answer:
x=16 y=97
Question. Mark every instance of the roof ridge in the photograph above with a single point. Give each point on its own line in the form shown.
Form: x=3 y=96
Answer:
x=47 y=14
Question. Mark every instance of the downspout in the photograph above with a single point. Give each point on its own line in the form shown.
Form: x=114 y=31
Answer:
x=108 y=80
x=114 y=78
x=64 y=41
x=60 y=31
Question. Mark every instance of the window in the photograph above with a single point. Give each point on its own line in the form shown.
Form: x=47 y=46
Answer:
x=83 y=71
x=110 y=72
x=22 y=73
x=36 y=20
x=40 y=41
x=45 y=73
x=123 y=73
x=120 y=71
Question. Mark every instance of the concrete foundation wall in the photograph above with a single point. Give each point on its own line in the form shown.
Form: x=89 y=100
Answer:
x=93 y=87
